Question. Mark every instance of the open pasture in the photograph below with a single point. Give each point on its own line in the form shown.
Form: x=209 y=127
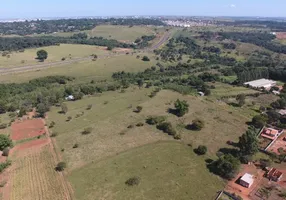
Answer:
x=167 y=170
x=101 y=69
x=121 y=33
x=55 y=54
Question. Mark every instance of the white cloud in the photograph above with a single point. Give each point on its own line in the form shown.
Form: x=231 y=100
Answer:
x=233 y=6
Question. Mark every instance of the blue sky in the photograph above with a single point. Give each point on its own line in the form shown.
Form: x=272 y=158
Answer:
x=68 y=8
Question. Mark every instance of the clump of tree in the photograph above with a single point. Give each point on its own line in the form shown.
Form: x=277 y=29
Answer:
x=201 y=150
x=258 y=121
x=153 y=120
x=182 y=107
x=197 y=125
x=248 y=143
x=42 y=55
x=61 y=166
x=146 y=58
x=5 y=142
x=167 y=127
x=225 y=166
x=133 y=181
x=52 y=124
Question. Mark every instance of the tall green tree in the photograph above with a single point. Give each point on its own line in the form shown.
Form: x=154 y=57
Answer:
x=182 y=107
x=248 y=143
x=226 y=166
x=42 y=55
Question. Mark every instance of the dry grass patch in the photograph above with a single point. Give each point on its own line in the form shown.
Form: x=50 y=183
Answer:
x=33 y=176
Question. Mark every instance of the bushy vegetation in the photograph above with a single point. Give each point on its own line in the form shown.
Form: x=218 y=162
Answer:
x=167 y=127
x=4 y=165
x=61 y=166
x=201 y=150
x=182 y=107
x=5 y=142
x=226 y=166
x=153 y=120
x=133 y=181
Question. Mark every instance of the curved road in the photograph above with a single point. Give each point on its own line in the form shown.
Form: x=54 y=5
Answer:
x=17 y=69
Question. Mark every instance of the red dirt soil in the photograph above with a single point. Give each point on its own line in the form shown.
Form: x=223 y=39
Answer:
x=281 y=35
x=245 y=193
x=27 y=129
x=279 y=143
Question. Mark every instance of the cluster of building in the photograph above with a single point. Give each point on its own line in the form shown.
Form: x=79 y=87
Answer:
x=187 y=23
x=272 y=174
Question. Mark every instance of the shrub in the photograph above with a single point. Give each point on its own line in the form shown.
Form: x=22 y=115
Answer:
x=145 y=58
x=3 y=126
x=89 y=107
x=6 y=151
x=87 y=130
x=177 y=136
x=133 y=181
x=152 y=120
x=54 y=134
x=182 y=107
x=4 y=165
x=167 y=127
x=139 y=124
x=5 y=142
x=69 y=118
x=52 y=124
x=198 y=124
x=201 y=150
x=139 y=109
x=75 y=146
x=61 y=166
x=130 y=126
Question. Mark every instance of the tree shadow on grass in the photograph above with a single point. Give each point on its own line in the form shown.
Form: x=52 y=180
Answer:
x=172 y=111
x=232 y=151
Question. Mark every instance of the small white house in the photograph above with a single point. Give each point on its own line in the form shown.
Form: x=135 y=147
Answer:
x=201 y=94
x=246 y=180
x=70 y=98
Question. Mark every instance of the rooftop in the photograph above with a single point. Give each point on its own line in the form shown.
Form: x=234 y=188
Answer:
x=260 y=82
x=248 y=178
x=274 y=173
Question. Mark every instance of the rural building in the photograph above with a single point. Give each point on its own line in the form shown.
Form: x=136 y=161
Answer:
x=274 y=175
x=201 y=94
x=246 y=180
x=270 y=133
x=282 y=112
x=261 y=83
x=70 y=98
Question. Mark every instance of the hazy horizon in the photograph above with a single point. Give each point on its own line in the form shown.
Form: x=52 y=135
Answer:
x=86 y=8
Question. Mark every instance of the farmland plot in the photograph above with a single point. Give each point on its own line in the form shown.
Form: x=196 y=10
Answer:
x=34 y=177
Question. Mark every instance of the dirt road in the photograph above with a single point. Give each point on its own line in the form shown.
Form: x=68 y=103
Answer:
x=17 y=69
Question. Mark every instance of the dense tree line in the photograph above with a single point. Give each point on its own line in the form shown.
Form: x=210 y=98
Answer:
x=257 y=38
x=68 y=25
x=19 y=43
x=273 y=25
x=170 y=78
x=44 y=92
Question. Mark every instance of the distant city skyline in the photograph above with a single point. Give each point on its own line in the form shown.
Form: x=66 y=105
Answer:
x=71 y=8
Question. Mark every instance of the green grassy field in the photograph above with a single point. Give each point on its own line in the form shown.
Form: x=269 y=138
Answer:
x=55 y=54
x=101 y=69
x=222 y=90
x=112 y=114
x=167 y=170
x=121 y=33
